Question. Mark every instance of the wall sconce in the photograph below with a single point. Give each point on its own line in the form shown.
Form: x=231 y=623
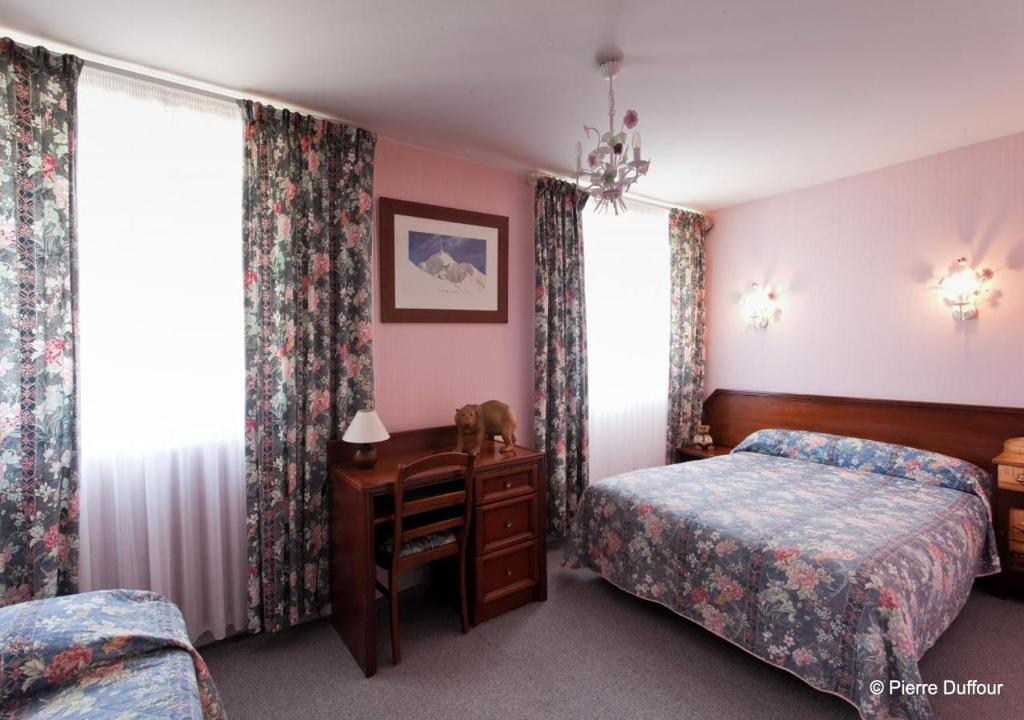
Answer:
x=758 y=305
x=964 y=287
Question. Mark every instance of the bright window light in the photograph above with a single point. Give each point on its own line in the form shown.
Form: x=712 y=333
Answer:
x=160 y=266
x=626 y=260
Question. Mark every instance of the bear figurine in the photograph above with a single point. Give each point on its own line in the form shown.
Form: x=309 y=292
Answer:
x=486 y=420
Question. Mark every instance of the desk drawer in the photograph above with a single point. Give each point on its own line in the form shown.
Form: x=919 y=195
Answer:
x=1011 y=478
x=506 y=523
x=504 y=484
x=506 y=571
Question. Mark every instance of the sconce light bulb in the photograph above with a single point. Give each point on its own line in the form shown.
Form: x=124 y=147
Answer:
x=758 y=304
x=963 y=287
x=961 y=284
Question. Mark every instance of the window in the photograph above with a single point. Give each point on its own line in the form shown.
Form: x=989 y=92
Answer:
x=162 y=367
x=626 y=260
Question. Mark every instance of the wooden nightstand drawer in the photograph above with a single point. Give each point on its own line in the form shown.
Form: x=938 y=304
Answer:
x=506 y=572
x=1008 y=516
x=1015 y=531
x=506 y=523
x=494 y=486
x=1011 y=478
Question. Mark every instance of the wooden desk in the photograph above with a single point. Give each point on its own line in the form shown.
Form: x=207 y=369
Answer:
x=507 y=552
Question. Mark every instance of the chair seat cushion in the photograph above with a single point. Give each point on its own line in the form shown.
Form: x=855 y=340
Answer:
x=416 y=545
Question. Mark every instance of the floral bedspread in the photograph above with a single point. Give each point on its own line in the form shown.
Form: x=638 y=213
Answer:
x=837 y=559
x=105 y=654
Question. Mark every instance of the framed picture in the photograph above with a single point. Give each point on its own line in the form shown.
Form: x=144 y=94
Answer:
x=442 y=265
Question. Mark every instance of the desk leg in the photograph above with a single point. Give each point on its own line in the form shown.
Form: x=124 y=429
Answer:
x=353 y=595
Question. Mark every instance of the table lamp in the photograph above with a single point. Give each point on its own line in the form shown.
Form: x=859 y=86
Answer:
x=365 y=430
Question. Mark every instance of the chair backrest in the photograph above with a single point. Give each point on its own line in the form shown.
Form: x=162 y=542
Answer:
x=428 y=501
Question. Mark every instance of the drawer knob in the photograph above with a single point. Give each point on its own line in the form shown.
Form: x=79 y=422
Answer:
x=508 y=484
x=1020 y=478
x=508 y=524
x=508 y=572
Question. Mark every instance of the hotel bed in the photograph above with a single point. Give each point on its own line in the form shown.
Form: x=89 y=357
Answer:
x=105 y=654
x=837 y=559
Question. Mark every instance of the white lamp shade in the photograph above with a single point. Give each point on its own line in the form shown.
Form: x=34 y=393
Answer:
x=365 y=427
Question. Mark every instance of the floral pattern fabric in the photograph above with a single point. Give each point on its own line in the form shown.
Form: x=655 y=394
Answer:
x=837 y=574
x=38 y=479
x=884 y=459
x=307 y=199
x=560 y=335
x=111 y=653
x=686 y=234
x=414 y=546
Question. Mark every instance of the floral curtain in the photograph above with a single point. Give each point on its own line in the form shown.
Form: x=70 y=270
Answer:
x=686 y=234
x=307 y=232
x=560 y=339
x=38 y=482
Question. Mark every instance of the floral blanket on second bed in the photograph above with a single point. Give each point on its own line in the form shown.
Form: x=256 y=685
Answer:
x=840 y=560
x=105 y=654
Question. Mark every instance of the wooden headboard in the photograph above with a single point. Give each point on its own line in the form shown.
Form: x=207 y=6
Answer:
x=971 y=432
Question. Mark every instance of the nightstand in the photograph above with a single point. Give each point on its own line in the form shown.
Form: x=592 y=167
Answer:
x=1008 y=513
x=685 y=453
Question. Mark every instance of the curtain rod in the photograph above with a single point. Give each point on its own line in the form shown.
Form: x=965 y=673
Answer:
x=631 y=198
x=115 y=65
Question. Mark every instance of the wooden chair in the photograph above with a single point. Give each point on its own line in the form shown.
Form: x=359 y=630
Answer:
x=440 y=534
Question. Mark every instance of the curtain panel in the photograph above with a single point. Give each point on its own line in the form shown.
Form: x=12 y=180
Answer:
x=38 y=422
x=307 y=199
x=560 y=335
x=686 y=234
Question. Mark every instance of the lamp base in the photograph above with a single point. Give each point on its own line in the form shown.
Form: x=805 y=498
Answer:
x=365 y=455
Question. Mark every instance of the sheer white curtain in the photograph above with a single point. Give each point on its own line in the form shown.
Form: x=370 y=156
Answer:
x=626 y=260
x=162 y=346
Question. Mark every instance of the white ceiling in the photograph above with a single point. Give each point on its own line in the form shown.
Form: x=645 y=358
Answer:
x=738 y=99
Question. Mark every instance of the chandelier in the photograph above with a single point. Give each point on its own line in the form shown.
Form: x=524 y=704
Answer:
x=609 y=171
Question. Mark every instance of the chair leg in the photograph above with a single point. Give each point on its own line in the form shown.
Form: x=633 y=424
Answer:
x=396 y=653
x=462 y=588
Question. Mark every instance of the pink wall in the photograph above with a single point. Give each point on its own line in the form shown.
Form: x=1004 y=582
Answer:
x=423 y=371
x=854 y=260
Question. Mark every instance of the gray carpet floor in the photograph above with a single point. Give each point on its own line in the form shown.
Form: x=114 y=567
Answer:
x=590 y=651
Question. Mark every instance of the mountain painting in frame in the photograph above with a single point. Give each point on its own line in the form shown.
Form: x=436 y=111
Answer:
x=442 y=265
